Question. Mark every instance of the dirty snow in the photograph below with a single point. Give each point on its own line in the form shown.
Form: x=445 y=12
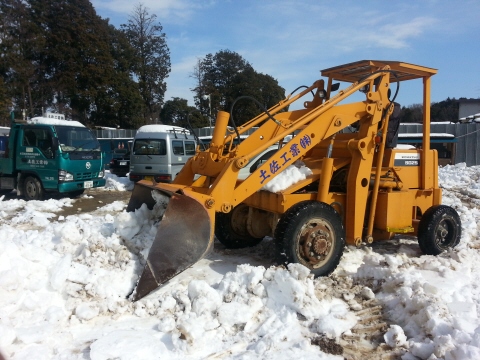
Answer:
x=64 y=286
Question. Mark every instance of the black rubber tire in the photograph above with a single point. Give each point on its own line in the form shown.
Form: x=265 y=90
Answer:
x=298 y=224
x=234 y=235
x=74 y=194
x=439 y=229
x=33 y=189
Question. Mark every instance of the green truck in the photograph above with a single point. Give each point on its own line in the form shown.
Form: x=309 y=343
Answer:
x=49 y=154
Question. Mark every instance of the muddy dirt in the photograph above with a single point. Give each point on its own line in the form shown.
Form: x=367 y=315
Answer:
x=95 y=199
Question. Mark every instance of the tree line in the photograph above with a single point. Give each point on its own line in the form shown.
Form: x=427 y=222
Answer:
x=224 y=81
x=61 y=56
x=446 y=110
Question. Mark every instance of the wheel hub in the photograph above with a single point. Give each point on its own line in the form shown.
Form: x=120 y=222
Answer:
x=31 y=189
x=316 y=243
x=443 y=237
x=320 y=245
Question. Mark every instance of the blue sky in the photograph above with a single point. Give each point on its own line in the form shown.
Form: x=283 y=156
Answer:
x=293 y=40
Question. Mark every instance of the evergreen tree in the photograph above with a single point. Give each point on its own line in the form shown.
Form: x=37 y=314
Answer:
x=225 y=77
x=20 y=43
x=59 y=55
x=177 y=112
x=5 y=105
x=446 y=110
x=152 y=63
x=120 y=105
x=412 y=114
x=76 y=58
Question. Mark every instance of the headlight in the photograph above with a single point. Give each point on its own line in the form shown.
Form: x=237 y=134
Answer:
x=64 y=176
x=101 y=174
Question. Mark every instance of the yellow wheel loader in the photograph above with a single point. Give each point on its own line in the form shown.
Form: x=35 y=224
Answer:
x=360 y=187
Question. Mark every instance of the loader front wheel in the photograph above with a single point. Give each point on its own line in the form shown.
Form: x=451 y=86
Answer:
x=311 y=233
x=231 y=229
x=439 y=230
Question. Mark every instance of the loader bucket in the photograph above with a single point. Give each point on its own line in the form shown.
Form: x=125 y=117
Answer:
x=141 y=194
x=184 y=236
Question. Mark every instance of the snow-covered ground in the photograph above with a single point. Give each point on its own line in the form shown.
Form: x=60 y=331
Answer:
x=64 y=284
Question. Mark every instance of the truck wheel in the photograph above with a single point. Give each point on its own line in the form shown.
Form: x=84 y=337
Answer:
x=439 y=229
x=310 y=233
x=231 y=229
x=33 y=189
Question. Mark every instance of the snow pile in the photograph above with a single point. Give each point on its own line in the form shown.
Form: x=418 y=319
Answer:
x=252 y=311
x=291 y=175
x=113 y=182
x=38 y=212
x=81 y=274
x=64 y=288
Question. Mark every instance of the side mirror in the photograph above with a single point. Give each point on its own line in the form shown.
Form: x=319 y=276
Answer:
x=335 y=87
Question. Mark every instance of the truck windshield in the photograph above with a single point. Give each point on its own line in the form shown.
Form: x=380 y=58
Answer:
x=76 y=139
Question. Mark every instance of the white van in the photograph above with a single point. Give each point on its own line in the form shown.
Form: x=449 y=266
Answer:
x=159 y=152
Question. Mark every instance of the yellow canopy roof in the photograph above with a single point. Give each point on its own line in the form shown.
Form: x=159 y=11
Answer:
x=355 y=71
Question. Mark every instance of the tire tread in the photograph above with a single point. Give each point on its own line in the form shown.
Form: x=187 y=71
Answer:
x=284 y=249
x=427 y=225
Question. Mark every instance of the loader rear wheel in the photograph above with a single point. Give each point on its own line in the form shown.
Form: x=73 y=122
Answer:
x=439 y=230
x=33 y=189
x=311 y=233
x=231 y=229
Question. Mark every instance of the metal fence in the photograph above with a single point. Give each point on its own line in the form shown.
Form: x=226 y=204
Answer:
x=467 y=148
x=207 y=131
x=115 y=133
